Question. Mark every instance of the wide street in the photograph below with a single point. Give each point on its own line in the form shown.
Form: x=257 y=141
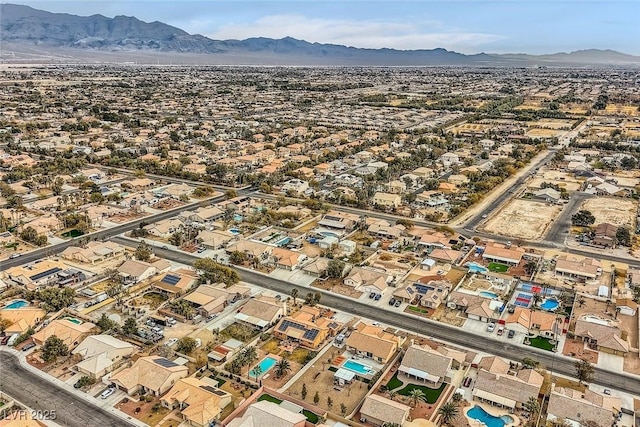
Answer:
x=41 y=394
x=427 y=327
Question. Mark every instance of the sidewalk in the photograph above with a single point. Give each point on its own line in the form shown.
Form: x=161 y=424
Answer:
x=80 y=395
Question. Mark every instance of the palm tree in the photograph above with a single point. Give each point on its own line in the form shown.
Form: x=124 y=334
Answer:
x=532 y=406
x=416 y=395
x=283 y=367
x=257 y=371
x=536 y=300
x=391 y=394
x=249 y=355
x=448 y=412
x=294 y=295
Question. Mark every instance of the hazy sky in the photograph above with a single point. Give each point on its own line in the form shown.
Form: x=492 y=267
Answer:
x=469 y=26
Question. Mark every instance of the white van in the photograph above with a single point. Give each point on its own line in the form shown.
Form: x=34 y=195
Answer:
x=13 y=339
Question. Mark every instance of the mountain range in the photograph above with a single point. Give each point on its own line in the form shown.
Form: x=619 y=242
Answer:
x=35 y=35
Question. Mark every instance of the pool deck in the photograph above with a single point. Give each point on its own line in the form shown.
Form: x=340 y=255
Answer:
x=491 y=410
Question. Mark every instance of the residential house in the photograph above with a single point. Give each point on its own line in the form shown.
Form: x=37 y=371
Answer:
x=287 y=259
x=197 y=168
x=586 y=269
x=500 y=387
x=252 y=249
x=605 y=235
x=94 y=252
x=19 y=320
x=174 y=283
x=339 y=221
x=42 y=273
x=449 y=159
x=430 y=291
x=383 y=230
x=199 y=402
x=306 y=327
x=586 y=408
x=387 y=200
x=133 y=271
x=368 y=279
x=605 y=338
x=215 y=239
x=396 y=187
x=447 y=256
x=296 y=186
x=458 y=180
x=225 y=351
x=527 y=321
x=549 y=195
x=426 y=365
x=373 y=342
x=165 y=228
x=475 y=307
x=149 y=374
x=100 y=353
x=379 y=411
x=205 y=215
x=209 y=299
x=505 y=254
x=317 y=268
x=261 y=312
x=265 y=413
x=69 y=331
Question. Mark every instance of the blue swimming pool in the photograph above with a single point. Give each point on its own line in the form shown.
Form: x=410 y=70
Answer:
x=477 y=413
x=549 y=304
x=488 y=294
x=238 y=218
x=19 y=303
x=234 y=231
x=265 y=364
x=476 y=268
x=356 y=367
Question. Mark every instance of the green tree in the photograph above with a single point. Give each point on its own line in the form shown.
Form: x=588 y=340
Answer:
x=335 y=268
x=623 y=237
x=316 y=398
x=4 y=324
x=230 y=194
x=104 y=323
x=186 y=345
x=237 y=257
x=29 y=234
x=52 y=348
x=249 y=355
x=343 y=409
x=416 y=395
x=294 y=295
x=86 y=380
x=303 y=393
x=532 y=405
x=256 y=371
x=584 y=371
x=54 y=299
x=215 y=272
x=329 y=402
x=143 y=252
x=283 y=367
x=130 y=326
x=583 y=218
x=448 y=412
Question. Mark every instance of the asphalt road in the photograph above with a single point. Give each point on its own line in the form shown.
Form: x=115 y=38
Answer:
x=475 y=221
x=558 y=230
x=103 y=234
x=42 y=395
x=451 y=334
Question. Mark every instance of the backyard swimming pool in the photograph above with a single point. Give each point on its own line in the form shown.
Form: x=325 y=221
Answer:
x=549 y=304
x=488 y=294
x=19 y=303
x=234 y=231
x=74 y=320
x=265 y=364
x=476 y=268
x=356 y=367
x=478 y=413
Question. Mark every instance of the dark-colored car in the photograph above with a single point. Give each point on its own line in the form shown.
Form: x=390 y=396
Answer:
x=5 y=340
x=28 y=346
x=377 y=297
x=511 y=333
x=467 y=382
x=392 y=301
x=77 y=384
x=398 y=302
x=372 y=295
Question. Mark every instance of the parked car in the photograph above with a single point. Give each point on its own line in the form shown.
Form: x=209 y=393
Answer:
x=397 y=303
x=500 y=330
x=377 y=297
x=12 y=256
x=171 y=341
x=511 y=334
x=491 y=327
x=392 y=301
x=5 y=340
x=108 y=392
x=372 y=295
x=467 y=382
x=28 y=346
x=77 y=384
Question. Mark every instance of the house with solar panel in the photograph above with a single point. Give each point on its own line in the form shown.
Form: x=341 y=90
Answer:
x=431 y=294
x=175 y=283
x=41 y=273
x=306 y=327
x=150 y=374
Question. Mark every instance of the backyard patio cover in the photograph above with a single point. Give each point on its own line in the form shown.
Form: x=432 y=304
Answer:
x=419 y=374
x=344 y=374
x=482 y=394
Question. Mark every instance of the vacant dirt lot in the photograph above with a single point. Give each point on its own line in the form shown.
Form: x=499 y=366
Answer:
x=612 y=210
x=524 y=219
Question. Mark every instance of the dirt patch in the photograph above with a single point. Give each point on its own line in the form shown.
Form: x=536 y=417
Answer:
x=127 y=217
x=312 y=251
x=336 y=285
x=449 y=316
x=612 y=210
x=524 y=219
x=150 y=413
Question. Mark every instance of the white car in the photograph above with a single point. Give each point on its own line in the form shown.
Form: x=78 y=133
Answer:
x=108 y=392
x=491 y=326
x=171 y=341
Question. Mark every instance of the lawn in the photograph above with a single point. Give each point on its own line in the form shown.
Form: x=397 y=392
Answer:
x=496 y=267
x=541 y=342
x=431 y=394
x=299 y=355
x=418 y=309
x=311 y=417
x=394 y=382
x=272 y=346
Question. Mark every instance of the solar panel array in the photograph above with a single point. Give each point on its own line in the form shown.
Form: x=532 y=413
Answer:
x=422 y=289
x=309 y=334
x=165 y=363
x=170 y=279
x=49 y=272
